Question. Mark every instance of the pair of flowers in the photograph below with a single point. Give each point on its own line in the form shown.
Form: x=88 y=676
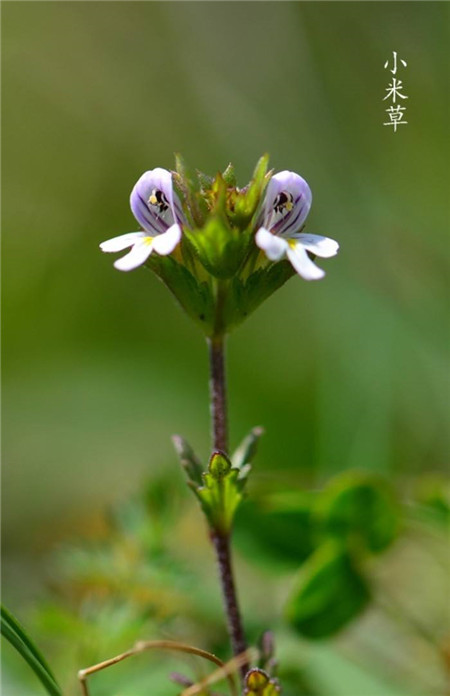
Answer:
x=287 y=201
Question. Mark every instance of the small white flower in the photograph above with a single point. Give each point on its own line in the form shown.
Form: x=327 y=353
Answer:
x=157 y=208
x=285 y=209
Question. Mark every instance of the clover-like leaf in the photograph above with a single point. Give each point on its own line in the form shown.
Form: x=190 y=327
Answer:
x=330 y=592
x=431 y=497
x=359 y=509
x=276 y=531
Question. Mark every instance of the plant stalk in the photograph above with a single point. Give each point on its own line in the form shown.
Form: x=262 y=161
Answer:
x=217 y=385
x=220 y=540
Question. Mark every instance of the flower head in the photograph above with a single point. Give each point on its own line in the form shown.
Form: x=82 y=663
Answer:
x=285 y=209
x=157 y=208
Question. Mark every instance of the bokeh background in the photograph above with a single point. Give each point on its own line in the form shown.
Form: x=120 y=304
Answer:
x=100 y=368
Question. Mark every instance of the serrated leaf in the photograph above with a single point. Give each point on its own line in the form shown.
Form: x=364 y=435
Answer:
x=194 y=296
x=329 y=593
x=20 y=640
x=244 y=296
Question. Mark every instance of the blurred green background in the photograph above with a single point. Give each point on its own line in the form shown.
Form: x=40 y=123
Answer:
x=100 y=368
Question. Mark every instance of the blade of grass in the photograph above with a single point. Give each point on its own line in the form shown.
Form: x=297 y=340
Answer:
x=20 y=640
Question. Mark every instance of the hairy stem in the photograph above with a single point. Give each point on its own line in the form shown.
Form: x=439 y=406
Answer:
x=218 y=394
x=220 y=540
x=221 y=545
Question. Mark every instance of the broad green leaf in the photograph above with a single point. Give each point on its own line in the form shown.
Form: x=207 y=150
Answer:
x=432 y=499
x=330 y=592
x=359 y=509
x=17 y=636
x=333 y=674
x=276 y=531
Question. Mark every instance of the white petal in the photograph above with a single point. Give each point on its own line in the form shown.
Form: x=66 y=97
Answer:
x=300 y=260
x=137 y=256
x=165 y=243
x=122 y=242
x=321 y=246
x=275 y=247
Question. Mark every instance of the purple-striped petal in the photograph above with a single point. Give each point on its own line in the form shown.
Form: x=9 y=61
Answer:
x=287 y=203
x=154 y=203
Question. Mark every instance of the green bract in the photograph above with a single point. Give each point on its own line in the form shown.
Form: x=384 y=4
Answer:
x=221 y=488
x=217 y=273
x=220 y=493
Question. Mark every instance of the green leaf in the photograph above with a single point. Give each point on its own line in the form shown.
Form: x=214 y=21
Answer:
x=276 y=531
x=432 y=499
x=359 y=509
x=193 y=295
x=16 y=635
x=219 y=247
x=245 y=296
x=188 y=459
x=244 y=454
x=330 y=592
x=189 y=185
x=221 y=493
x=205 y=181
x=334 y=674
x=247 y=203
x=229 y=176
